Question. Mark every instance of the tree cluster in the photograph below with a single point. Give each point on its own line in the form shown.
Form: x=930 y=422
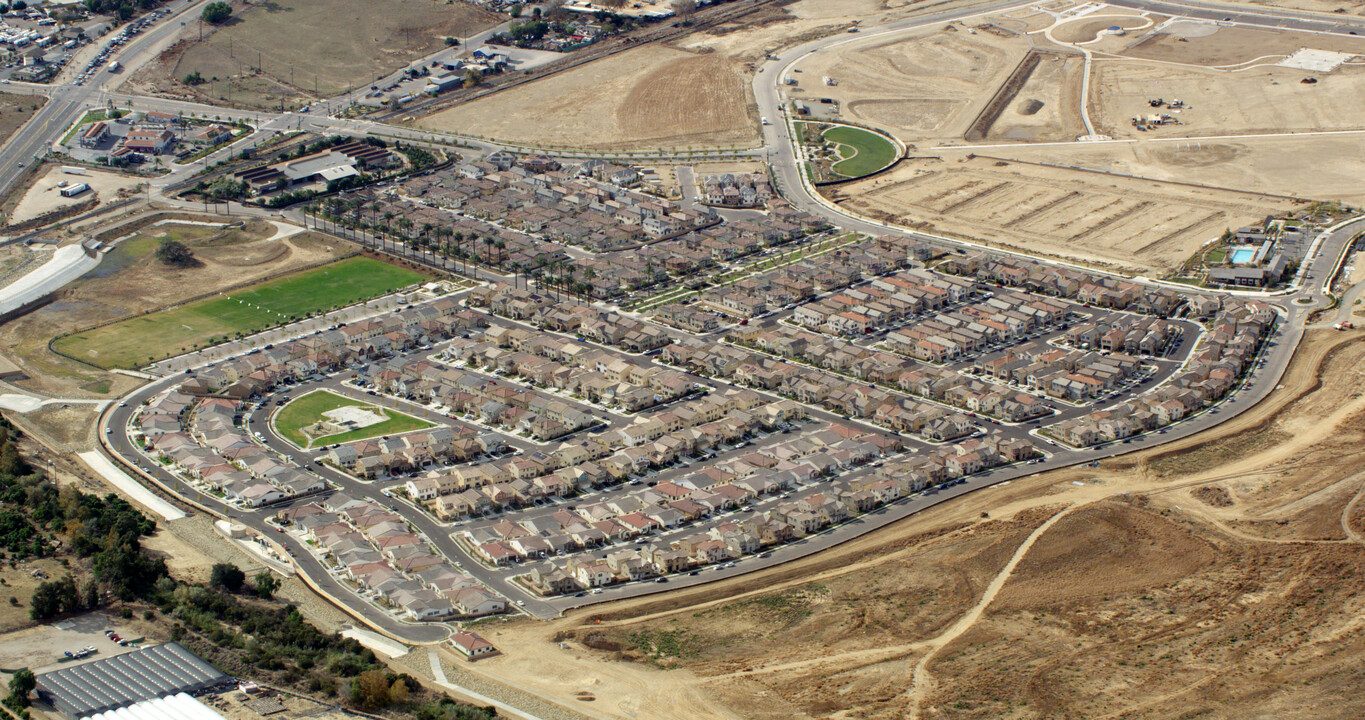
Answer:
x=175 y=254
x=217 y=13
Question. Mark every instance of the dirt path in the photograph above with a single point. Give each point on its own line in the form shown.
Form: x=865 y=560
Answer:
x=1346 y=518
x=1220 y=526
x=920 y=679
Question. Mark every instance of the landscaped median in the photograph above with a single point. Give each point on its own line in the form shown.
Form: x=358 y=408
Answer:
x=147 y=338
x=844 y=152
x=325 y=418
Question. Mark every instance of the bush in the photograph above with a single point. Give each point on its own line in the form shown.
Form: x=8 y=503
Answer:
x=227 y=576
x=175 y=254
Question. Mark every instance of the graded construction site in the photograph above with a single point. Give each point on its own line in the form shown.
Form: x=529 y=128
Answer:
x=1126 y=224
x=1266 y=119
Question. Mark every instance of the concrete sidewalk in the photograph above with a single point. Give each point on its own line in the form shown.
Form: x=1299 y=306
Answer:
x=130 y=487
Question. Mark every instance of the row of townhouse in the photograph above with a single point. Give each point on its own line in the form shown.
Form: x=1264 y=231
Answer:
x=879 y=367
x=413 y=451
x=378 y=551
x=692 y=252
x=882 y=302
x=493 y=401
x=1223 y=355
x=568 y=316
x=449 y=234
x=692 y=318
x=201 y=440
x=747 y=533
x=608 y=457
x=673 y=504
x=800 y=281
x=1069 y=283
x=1125 y=334
x=735 y=189
x=562 y=205
x=582 y=371
x=352 y=345
x=1069 y=374
x=1003 y=318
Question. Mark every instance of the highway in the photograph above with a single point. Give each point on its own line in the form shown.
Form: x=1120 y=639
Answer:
x=67 y=103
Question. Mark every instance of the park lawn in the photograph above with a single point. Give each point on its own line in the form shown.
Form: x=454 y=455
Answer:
x=148 y=338
x=308 y=409
x=874 y=152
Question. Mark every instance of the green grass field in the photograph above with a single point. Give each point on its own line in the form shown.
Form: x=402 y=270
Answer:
x=308 y=409
x=141 y=340
x=869 y=152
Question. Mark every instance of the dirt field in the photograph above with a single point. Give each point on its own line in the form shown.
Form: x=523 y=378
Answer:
x=1202 y=44
x=128 y=281
x=1131 y=225
x=1324 y=167
x=15 y=110
x=1112 y=592
x=931 y=85
x=651 y=96
x=281 y=50
x=1046 y=108
x=44 y=194
x=1260 y=100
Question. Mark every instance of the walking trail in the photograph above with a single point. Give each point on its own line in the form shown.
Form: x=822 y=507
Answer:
x=920 y=680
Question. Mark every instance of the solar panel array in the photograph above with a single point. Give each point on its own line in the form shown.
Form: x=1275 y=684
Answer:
x=122 y=680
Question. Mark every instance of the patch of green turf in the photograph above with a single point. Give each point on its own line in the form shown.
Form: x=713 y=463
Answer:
x=308 y=409
x=874 y=152
x=140 y=340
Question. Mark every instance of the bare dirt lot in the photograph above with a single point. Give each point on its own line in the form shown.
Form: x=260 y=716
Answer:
x=1203 y=44
x=128 y=280
x=1323 y=167
x=44 y=195
x=1259 y=100
x=15 y=110
x=281 y=49
x=652 y=96
x=1109 y=592
x=1131 y=225
x=1046 y=108
x=648 y=97
x=931 y=85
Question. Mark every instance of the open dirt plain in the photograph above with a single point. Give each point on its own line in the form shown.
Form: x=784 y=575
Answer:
x=1216 y=577
x=331 y=43
x=1328 y=167
x=129 y=281
x=931 y=85
x=1046 y=107
x=44 y=195
x=652 y=96
x=694 y=93
x=1121 y=223
x=1259 y=100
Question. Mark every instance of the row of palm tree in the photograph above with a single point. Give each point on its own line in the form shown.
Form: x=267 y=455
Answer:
x=360 y=220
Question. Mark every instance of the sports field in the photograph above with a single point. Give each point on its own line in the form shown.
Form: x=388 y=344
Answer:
x=308 y=410
x=864 y=152
x=147 y=338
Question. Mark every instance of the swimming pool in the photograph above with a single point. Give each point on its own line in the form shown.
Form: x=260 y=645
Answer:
x=1241 y=256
